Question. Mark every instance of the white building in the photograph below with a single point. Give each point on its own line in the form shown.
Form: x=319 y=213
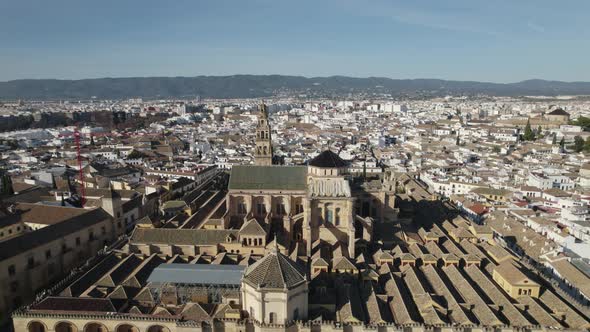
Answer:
x=547 y=181
x=394 y=108
x=274 y=290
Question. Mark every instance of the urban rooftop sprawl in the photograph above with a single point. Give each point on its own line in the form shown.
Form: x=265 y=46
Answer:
x=299 y=212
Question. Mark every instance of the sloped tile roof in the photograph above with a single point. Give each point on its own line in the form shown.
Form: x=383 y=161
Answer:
x=558 y=111
x=75 y=304
x=181 y=236
x=69 y=225
x=328 y=159
x=275 y=271
x=268 y=177
x=252 y=227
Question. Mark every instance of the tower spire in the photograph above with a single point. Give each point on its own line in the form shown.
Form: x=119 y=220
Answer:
x=263 y=149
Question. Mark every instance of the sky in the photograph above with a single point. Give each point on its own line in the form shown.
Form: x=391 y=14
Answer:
x=481 y=40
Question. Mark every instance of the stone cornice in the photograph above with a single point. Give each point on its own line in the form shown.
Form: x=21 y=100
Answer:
x=93 y=316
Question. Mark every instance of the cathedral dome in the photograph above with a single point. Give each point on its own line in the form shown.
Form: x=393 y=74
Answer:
x=558 y=111
x=275 y=271
x=328 y=159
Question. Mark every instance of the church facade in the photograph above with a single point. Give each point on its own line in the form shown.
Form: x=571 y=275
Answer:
x=303 y=206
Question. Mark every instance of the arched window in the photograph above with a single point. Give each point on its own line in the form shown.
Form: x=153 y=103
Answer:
x=65 y=327
x=296 y=314
x=329 y=213
x=126 y=328
x=158 y=328
x=298 y=208
x=36 y=327
x=365 y=209
x=95 y=327
x=280 y=207
x=337 y=217
x=260 y=209
x=241 y=207
x=272 y=318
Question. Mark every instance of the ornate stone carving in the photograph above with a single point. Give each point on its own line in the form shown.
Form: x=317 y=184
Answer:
x=328 y=188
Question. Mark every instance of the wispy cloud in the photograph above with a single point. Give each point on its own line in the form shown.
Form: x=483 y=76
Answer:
x=535 y=27
x=409 y=13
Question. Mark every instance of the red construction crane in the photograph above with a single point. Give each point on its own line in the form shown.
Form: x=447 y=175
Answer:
x=82 y=186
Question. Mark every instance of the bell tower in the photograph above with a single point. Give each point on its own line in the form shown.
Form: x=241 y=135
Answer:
x=263 y=150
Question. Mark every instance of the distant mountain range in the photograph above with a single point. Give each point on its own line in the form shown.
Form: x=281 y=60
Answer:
x=253 y=86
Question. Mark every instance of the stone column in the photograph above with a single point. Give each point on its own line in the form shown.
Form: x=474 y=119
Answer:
x=287 y=227
x=248 y=202
x=267 y=203
x=351 y=228
x=262 y=313
x=285 y=307
x=307 y=224
x=287 y=201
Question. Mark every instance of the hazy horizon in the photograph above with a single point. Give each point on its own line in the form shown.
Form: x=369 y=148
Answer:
x=293 y=75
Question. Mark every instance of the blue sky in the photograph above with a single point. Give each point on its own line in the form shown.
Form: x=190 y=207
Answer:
x=491 y=40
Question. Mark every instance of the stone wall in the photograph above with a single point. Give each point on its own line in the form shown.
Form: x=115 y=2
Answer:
x=121 y=323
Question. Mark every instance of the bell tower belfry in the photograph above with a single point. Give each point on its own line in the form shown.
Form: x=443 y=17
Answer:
x=263 y=150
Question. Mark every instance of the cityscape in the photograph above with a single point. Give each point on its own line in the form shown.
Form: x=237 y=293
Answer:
x=293 y=203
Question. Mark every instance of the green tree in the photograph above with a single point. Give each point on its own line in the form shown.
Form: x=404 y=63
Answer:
x=7 y=185
x=539 y=132
x=578 y=144
x=135 y=154
x=587 y=145
x=562 y=142
x=583 y=122
x=529 y=135
x=554 y=141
